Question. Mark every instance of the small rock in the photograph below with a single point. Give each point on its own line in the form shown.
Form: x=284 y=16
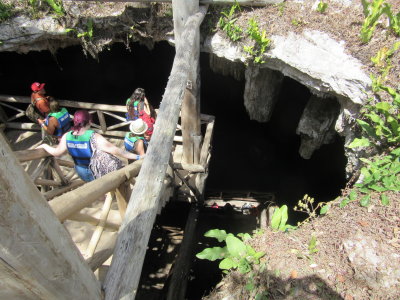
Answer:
x=313 y=266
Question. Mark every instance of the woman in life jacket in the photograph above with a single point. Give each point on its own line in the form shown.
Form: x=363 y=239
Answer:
x=138 y=106
x=135 y=141
x=57 y=122
x=77 y=143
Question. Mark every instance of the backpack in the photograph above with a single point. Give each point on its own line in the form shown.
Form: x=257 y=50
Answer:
x=33 y=113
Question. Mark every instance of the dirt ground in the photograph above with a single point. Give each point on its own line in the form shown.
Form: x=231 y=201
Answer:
x=292 y=272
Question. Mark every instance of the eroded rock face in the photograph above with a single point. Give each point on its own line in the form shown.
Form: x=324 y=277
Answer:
x=261 y=92
x=372 y=262
x=318 y=62
x=317 y=124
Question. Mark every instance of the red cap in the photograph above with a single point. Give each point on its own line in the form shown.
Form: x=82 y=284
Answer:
x=36 y=86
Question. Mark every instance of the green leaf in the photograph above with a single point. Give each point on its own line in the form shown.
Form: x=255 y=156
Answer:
x=212 y=253
x=383 y=106
x=384 y=200
x=324 y=209
x=284 y=217
x=276 y=218
x=367 y=128
x=344 y=202
x=244 y=267
x=235 y=246
x=220 y=235
x=353 y=195
x=365 y=201
x=363 y=142
x=258 y=255
x=227 y=264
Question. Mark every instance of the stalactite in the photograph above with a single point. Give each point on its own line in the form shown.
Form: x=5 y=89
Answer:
x=261 y=92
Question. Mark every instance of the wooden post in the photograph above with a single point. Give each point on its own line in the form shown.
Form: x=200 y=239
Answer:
x=190 y=111
x=37 y=255
x=123 y=276
x=100 y=227
x=181 y=268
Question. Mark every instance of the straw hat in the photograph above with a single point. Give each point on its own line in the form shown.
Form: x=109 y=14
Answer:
x=138 y=127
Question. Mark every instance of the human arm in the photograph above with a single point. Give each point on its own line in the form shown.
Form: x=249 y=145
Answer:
x=57 y=151
x=51 y=128
x=108 y=147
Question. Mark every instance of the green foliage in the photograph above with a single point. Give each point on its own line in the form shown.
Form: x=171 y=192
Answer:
x=279 y=219
x=351 y=197
x=260 y=39
x=281 y=8
x=373 y=11
x=312 y=246
x=306 y=205
x=236 y=254
x=6 y=11
x=322 y=6
x=55 y=5
x=88 y=33
x=380 y=129
x=381 y=173
x=227 y=23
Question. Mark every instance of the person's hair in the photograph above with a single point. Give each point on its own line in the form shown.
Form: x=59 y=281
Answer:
x=138 y=95
x=81 y=119
x=54 y=106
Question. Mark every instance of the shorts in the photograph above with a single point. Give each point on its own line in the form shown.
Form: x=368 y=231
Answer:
x=84 y=173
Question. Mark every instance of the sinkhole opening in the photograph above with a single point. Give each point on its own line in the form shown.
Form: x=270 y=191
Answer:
x=247 y=156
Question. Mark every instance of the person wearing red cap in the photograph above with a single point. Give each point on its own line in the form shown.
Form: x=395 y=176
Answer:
x=39 y=98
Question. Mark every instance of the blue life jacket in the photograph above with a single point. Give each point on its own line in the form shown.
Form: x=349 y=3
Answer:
x=79 y=147
x=129 y=141
x=63 y=119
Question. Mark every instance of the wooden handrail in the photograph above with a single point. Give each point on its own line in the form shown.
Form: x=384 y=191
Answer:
x=73 y=201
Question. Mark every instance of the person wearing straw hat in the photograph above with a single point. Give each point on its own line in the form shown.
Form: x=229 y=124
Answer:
x=138 y=107
x=135 y=140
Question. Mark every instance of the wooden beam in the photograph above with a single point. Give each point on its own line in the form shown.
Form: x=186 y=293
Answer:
x=104 y=251
x=203 y=2
x=181 y=268
x=56 y=192
x=80 y=217
x=102 y=121
x=67 y=103
x=73 y=201
x=122 y=202
x=37 y=255
x=190 y=112
x=100 y=227
x=27 y=155
x=123 y=276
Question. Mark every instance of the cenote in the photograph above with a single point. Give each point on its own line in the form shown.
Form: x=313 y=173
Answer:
x=247 y=156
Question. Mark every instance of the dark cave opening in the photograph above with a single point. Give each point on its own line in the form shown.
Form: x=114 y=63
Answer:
x=246 y=155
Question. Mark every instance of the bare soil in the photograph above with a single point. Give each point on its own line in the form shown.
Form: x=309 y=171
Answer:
x=293 y=273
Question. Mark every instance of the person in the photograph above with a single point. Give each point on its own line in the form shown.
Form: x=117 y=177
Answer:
x=135 y=141
x=79 y=143
x=137 y=107
x=57 y=122
x=39 y=98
